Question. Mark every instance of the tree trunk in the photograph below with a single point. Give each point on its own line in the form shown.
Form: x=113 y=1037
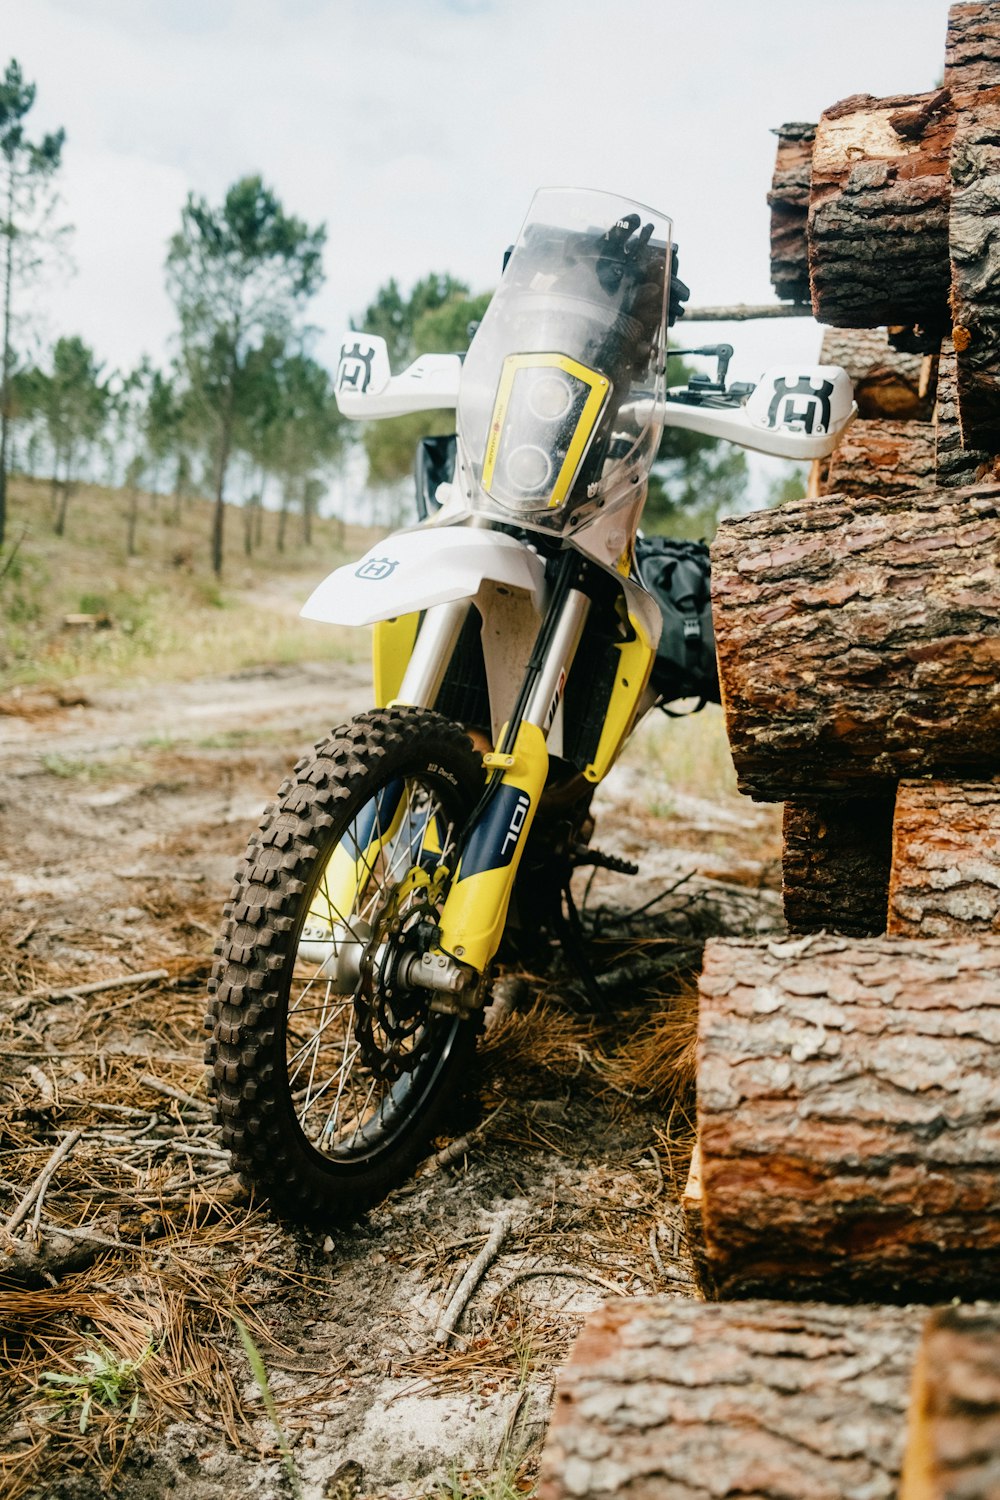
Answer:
x=956 y=465
x=953 y=1432
x=248 y=509
x=878 y=211
x=884 y=458
x=835 y=864
x=65 y=495
x=132 y=517
x=282 y=518
x=219 y=513
x=848 y=1117
x=668 y=1400
x=857 y=640
x=946 y=859
x=789 y=201
x=887 y=383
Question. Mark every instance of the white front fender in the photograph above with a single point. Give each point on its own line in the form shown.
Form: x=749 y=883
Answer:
x=413 y=570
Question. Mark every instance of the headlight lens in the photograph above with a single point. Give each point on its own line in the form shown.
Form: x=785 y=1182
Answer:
x=544 y=417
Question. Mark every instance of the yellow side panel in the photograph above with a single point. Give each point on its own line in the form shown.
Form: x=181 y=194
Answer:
x=635 y=662
x=392 y=645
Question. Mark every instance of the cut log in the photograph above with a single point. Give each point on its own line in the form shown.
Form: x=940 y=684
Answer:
x=848 y=1117
x=858 y=642
x=956 y=465
x=953 y=1429
x=789 y=201
x=887 y=382
x=974 y=240
x=835 y=863
x=972 y=47
x=945 y=859
x=665 y=1400
x=884 y=458
x=878 y=211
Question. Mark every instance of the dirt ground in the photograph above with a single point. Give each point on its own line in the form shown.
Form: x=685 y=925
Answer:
x=160 y=1333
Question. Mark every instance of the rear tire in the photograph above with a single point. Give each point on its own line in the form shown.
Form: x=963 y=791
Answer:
x=328 y=1088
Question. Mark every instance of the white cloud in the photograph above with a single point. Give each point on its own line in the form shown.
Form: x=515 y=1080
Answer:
x=418 y=129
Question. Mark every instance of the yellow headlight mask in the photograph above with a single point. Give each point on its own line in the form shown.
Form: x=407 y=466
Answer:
x=544 y=417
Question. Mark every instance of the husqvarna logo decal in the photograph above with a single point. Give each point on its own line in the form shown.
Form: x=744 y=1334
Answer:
x=376 y=568
x=801 y=413
x=355 y=369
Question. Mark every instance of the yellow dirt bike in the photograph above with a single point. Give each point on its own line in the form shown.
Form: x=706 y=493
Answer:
x=521 y=631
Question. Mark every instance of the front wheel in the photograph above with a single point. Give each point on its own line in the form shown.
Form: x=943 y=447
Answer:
x=330 y=1071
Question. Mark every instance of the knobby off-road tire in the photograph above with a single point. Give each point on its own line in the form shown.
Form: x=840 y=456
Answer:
x=326 y=1098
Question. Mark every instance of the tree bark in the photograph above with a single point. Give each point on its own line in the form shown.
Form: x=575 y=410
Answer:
x=945 y=859
x=789 y=201
x=878 y=211
x=835 y=864
x=887 y=383
x=956 y=465
x=848 y=1117
x=666 y=1400
x=953 y=1432
x=884 y=458
x=974 y=242
x=972 y=47
x=857 y=640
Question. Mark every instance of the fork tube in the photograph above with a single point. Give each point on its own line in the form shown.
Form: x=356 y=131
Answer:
x=548 y=690
x=432 y=651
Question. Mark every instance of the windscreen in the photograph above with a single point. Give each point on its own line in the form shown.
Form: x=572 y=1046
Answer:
x=554 y=406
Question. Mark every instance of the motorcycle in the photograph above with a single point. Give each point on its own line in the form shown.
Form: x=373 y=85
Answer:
x=522 y=629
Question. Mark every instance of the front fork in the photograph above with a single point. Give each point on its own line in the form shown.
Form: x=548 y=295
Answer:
x=474 y=914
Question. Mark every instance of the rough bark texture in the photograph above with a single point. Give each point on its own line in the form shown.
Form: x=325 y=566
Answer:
x=887 y=383
x=945 y=859
x=956 y=464
x=878 y=211
x=849 y=1118
x=972 y=47
x=665 y=1400
x=789 y=201
x=884 y=458
x=974 y=240
x=835 y=864
x=953 y=1432
x=858 y=640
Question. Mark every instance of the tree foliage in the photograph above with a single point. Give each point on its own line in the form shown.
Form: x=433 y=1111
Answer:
x=26 y=203
x=240 y=275
x=434 y=319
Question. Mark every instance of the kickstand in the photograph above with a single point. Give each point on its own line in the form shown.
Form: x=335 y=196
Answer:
x=571 y=938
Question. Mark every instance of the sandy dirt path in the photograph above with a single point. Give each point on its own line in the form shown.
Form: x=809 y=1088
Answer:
x=121 y=819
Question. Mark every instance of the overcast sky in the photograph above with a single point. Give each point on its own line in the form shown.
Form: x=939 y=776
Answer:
x=417 y=130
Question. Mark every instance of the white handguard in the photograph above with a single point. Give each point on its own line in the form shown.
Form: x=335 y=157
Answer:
x=365 y=387
x=797 y=411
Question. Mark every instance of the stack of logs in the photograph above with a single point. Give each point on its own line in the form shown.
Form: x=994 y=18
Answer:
x=849 y=1074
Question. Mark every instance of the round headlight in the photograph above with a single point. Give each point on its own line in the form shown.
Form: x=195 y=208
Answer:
x=550 y=397
x=528 y=468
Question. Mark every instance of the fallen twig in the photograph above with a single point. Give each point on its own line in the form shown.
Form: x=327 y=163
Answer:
x=179 y=1095
x=449 y=1319
x=41 y=1182
x=455 y=1150
x=62 y=992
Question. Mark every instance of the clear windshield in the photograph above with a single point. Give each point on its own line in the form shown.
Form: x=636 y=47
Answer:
x=554 y=413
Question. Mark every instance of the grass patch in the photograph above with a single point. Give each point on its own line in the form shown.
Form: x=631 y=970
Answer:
x=162 y=614
x=689 y=755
